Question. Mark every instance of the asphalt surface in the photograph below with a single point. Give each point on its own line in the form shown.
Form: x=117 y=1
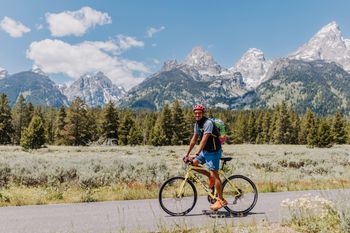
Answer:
x=138 y=215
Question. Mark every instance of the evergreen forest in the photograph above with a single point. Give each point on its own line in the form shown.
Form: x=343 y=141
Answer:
x=78 y=125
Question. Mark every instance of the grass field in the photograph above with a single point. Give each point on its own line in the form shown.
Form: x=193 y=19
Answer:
x=60 y=174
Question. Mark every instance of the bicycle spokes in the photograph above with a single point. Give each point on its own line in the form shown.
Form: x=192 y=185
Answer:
x=177 y=196
x=240 y=193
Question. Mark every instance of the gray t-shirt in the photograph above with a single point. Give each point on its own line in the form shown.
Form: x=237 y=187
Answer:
x=207 y=128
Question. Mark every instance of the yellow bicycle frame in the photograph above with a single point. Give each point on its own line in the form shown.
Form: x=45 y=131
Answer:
x=190 y=174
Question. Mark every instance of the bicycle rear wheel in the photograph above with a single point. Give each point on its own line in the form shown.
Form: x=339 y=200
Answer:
x=175 y=203
x=241 y=194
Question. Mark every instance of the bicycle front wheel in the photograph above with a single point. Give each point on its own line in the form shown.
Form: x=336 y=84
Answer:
x=240 y=193
x=177 y=197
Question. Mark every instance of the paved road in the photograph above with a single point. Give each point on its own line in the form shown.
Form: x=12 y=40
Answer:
x=139 y=215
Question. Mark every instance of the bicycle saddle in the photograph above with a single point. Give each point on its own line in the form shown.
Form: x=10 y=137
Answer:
x=226 y=159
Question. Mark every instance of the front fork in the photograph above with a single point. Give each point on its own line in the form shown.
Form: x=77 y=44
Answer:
x=180 y=191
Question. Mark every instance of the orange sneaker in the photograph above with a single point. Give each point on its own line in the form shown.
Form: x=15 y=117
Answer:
x=218 y=204
x=211 y=182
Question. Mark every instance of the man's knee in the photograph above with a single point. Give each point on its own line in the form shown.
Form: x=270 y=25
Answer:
x=195 y=162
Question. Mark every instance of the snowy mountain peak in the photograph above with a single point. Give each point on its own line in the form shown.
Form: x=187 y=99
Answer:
x=95 y=88
x=38 y=70
x=98 y=75
x=169 y=65
x=327 y=44
x=252 y=66
x=203 y=61
x=253 y=54
x=331 y=28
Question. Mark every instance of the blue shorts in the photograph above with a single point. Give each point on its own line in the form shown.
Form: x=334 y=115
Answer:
x=210 y=159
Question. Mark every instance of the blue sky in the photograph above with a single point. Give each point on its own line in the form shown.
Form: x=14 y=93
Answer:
x=113 y=35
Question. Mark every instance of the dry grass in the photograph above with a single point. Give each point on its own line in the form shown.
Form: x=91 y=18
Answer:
x=75 y=174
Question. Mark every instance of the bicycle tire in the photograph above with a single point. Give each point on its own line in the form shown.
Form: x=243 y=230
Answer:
x=163 y=199
x=243 y=203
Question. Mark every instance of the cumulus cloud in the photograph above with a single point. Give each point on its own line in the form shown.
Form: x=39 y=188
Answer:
x=151 y=31
x=75 y=22
x=14 y=28
x=56 y=56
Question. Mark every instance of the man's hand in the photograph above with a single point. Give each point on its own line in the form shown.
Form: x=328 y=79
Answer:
x=188 y=158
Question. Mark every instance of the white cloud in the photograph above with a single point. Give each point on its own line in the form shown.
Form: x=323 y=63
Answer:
x=75 y=22
x=14 y=28
x=126 y=42
x=56 y=56
x=151 y=31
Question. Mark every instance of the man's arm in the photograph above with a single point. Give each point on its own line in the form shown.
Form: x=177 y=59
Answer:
x=192 y=144
x=202 y=143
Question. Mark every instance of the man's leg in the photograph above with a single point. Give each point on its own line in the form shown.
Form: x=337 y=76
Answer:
x=220 y=202
x=202 y=171
x=218 y=184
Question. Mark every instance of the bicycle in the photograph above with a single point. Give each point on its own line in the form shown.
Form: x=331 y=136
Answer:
x=178 y=195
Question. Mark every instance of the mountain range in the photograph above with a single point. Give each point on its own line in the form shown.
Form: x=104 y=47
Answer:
x=315 y=76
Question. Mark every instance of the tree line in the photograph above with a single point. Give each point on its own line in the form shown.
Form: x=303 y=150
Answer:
x=32 y=127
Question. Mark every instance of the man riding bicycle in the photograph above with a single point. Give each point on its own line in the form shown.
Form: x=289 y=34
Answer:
x=208 y=153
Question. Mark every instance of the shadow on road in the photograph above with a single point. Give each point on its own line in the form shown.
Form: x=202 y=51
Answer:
x=225 y=214
x=218 y=214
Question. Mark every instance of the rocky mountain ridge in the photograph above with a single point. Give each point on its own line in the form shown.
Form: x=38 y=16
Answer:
x=95 y=89
x=252 y=82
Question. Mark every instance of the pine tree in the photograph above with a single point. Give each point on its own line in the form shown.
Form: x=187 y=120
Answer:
x=29 y=112
x=294 y=126
x=189 y=126
x=147 y=126
x=162 y=132
x=34 y=135
x=311 y=129
x=324 y=137
x=19 y=119
x=158 y=136
x=125 y=126
x=50 y=127
x=179 y=125
x=259 y=128
x=135 y=136
x=6 y=128
x=281 y=132
x=110 y=122
x=76 y=127
x=273 y=123
x=240 y=128
x=60 y=123
x=266 y=127
x=252 y=134
x=92 y=126
x=308 y=131
x=167 y=124
x=339 y=129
